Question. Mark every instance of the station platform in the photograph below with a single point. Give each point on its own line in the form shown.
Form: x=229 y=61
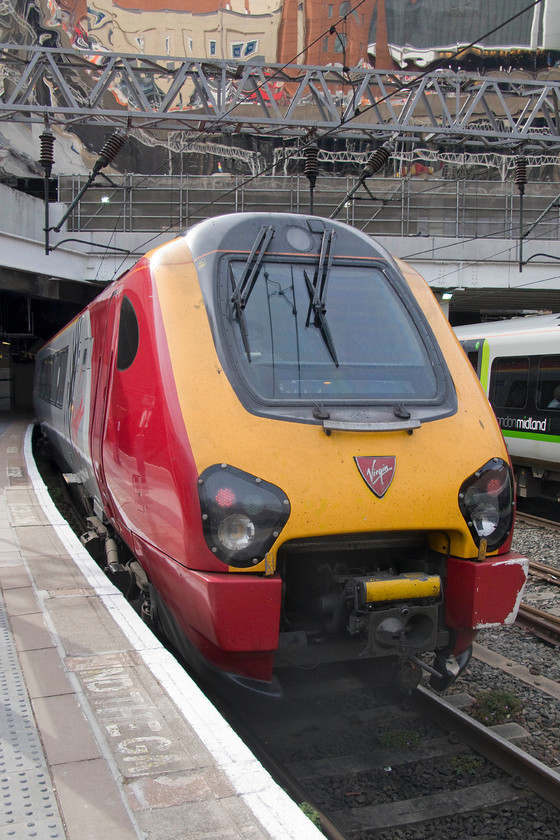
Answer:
x=102 y=733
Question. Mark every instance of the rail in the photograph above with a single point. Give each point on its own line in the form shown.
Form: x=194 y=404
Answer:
x=544 y=625
x=542 y=779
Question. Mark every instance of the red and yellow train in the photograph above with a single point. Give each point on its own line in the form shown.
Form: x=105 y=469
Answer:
x=274 y=427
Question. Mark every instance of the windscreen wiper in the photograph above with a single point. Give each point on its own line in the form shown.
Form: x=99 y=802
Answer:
x=317 y=291
x=243 y=288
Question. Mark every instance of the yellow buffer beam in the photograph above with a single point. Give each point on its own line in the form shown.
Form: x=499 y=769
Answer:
x=410 y=585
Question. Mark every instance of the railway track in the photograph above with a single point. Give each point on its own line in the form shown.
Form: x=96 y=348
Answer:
x=539 y=521
x=543 y=624
x=376 y=767
x=544 y=572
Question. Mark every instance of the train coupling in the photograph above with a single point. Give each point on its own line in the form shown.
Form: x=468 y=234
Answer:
x=447 y=668
x=414 y=631
x=408 y=628
x=399 y=612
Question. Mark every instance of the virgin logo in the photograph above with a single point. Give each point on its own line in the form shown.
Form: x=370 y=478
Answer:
x=377 y=472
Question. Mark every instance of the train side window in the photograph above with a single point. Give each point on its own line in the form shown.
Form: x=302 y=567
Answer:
x=128 y=335
x=86 y=353
x=548 y=389
x=509 y=382
x=46 y=375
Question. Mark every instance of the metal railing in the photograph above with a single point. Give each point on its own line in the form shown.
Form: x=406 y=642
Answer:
x=382 y=207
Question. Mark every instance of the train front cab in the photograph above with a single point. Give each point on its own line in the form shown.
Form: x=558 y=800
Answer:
x=279 y=514
x=400 y=508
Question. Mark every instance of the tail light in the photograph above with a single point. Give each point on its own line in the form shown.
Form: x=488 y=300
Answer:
x=242 y=515
x=486 y=501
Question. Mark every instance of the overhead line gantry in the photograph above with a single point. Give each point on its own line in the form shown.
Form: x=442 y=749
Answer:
x=163 y=93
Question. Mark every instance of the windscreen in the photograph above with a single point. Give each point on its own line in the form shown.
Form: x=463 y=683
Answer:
x=350 y=338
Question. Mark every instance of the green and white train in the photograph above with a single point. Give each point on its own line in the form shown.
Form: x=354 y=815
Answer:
x=518 y=364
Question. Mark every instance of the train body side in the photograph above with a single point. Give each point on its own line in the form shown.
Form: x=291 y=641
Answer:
x=162 y=423
x=518 y=362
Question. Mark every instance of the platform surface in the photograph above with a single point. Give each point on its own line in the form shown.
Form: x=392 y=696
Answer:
x=102 y=733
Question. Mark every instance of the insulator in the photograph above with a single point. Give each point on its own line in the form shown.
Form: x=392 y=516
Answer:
x=311 y=168
x=376 y=161
x=110 y=150
x=46 y=159
x=521 y=173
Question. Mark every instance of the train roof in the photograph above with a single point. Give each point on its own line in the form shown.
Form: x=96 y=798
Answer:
x=520 y=326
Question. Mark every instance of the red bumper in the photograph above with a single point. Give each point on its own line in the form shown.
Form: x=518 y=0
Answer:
x=484 y=594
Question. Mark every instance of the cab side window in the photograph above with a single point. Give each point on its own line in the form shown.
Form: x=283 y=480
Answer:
x=128 y=335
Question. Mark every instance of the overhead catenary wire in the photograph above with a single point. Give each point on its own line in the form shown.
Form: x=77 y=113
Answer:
x=409 y=84
x=200 y=135
x=343 y=121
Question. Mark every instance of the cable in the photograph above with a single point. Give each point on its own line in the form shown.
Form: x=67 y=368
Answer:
x=442 y=61
x=204 y=132
x=409 y=84
x=373 y=105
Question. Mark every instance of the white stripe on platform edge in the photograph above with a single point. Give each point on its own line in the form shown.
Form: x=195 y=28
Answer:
x=274 y=809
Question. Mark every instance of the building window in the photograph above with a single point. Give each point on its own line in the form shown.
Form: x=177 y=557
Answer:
x=330 y=10
x=251 y=47
x=326 y=43
x=340 y=42
x=237 y=50
x=211 y=48
x=190 y=45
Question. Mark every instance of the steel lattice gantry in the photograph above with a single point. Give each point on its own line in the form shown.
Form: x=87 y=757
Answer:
x=66 y=87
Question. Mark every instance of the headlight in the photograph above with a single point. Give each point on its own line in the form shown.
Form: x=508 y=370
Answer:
x=487 y=504
x=242 y=515
x=236 y=532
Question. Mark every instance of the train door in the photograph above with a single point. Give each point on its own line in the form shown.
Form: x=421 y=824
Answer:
x=478 y=354
x=104 y=326
x=473 y=348
x=77 y=406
